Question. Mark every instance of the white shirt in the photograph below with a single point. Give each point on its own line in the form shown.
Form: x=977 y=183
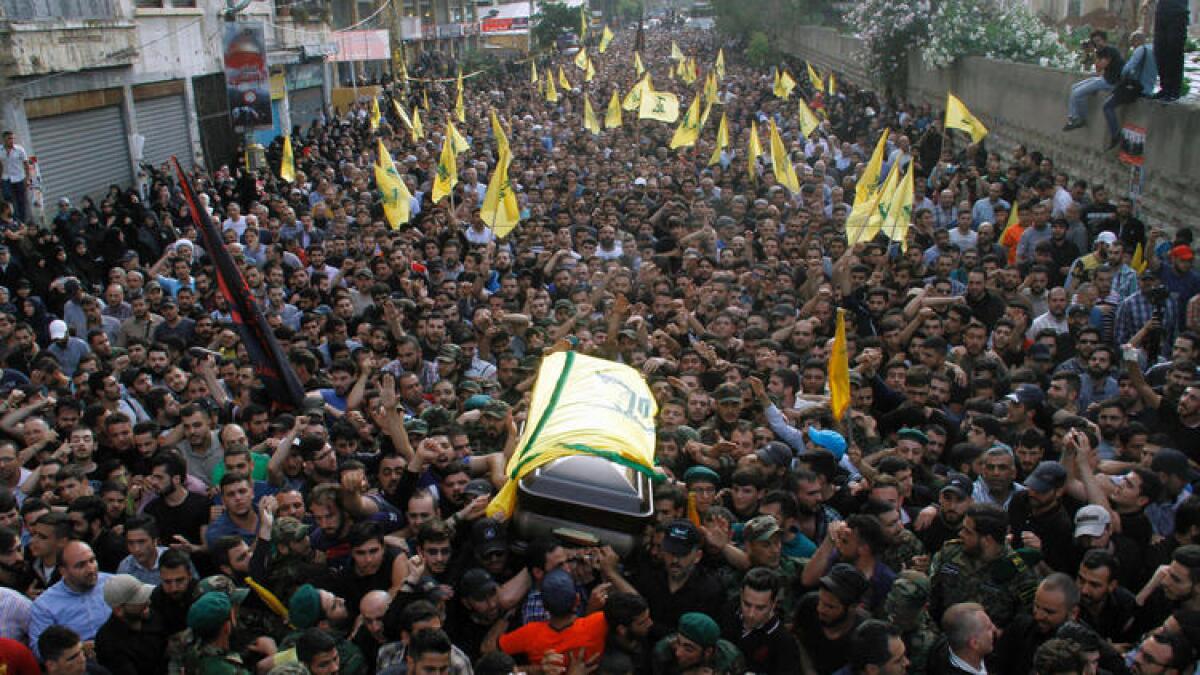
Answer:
x=238 y=226
x=1047 y=320
x=14 y=163
x=959 y=663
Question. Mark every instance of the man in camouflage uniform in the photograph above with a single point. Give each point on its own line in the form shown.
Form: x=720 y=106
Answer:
x=764 y=548
x=904 y=550
x=211 y=620
x=981 y=567
x=907 y=607
x=489 y=433
x=255 y=619
x=290 y=562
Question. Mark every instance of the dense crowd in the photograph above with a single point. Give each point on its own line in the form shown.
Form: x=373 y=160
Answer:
x=1010 y=490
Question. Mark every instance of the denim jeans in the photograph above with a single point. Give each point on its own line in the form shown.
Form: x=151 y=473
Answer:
x=1080 y=91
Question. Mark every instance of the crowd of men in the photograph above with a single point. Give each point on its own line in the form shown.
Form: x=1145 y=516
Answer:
x=1010 y=490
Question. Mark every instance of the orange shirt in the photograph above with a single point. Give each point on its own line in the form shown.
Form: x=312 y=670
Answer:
x=1009 y=240
x=535 y=639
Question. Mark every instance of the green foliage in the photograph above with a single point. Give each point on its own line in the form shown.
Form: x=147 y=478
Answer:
x=759 y=51
x=554 y=19
x=627 y=10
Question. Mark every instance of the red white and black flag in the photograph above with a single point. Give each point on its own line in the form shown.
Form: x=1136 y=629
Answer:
x=270 y=363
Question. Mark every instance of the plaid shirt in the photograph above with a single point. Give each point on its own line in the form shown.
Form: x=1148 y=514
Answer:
x=1136 y=311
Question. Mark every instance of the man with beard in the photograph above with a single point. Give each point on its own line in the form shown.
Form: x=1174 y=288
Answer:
x=998 y=483
x=1037 y=517
x=859 y=541
x=77 y=601
x=981 y=567
x=180 y=513
x=755 y=627
x=286 y=561
x=1086 y=342
x=170 y=601
x=373 y=567
x=1104 y=604
x=1055 y=603
x=1097 y=382
x=421 y=616
x=629 y=624
x=127 y=642
x=490 y=432
x=1179 y=418
x=826 y=618
x=681 y=584
x=472 y=612
x=984 y=304
x=12 y=474
x=201 y=448
x=344 y=376
x=14 y=571
x=311 y=607
x=238 y=518
x=331 y=536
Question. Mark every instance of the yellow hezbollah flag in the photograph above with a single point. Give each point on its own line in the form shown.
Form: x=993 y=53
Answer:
x=690 y=73
x=839 y=370
x=785 y=173
x=882 y=204
x=612 y=116
x=500 y=209
x=808 y=120
x=589 y=117
x=590 y=73
x=562 y=80
x=460 y=111
x=958 y=117
x=501 y=138
x=551 y=92
x=814 y=77
x=402 y=115
x=425 y=100
x=659 y=105
x=418 y=131
x=722 y=140
x=704 y=117
x=710 y=89
x=753 y=151
x=397 y=200
x=689 y=129
x=1139 y=262
x=633 y=100
x=583 y=405
x=460 y=144
x=870 y=177
x=447 y=171
x=719 y=66
x=676 y=55
x=581 y=59
x=831 y=85
x=403 y=71
x=784 y=85
x=583 y=21
x=606 y=37
x=375 y=116
x=287 y=165
x=533 y=77
x=638 y=68
x=899 y=214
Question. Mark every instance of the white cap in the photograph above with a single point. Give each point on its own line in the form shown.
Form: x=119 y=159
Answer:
x=125 y=589
x=639 y=181
x=1091 y=520
x=58 y=329
x=1107 y=238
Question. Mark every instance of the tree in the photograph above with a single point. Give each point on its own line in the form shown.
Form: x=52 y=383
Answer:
x=552 y=20
x=759 y=51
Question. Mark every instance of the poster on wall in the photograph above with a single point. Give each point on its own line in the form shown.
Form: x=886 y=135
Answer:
x=1133 y=145
x=247 y=80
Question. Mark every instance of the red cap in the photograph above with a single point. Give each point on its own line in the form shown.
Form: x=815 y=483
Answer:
x=1183 y=252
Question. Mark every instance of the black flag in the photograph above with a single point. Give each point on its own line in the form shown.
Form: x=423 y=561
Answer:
x=270 y=363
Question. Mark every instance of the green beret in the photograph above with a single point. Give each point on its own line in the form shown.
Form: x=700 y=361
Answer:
x=912 y=435
x=701 y=474
x=304 y=609
x=699 y=628
x=209 y=612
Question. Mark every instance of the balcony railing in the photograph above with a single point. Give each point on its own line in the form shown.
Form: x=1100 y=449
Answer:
x=51 y=10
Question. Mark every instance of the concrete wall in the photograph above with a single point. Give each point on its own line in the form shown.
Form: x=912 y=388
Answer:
x=1022 y=103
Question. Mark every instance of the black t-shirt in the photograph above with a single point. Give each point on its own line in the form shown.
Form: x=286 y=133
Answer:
x=1183 y=437
x=351 y=587
x=1112 y=72
x=1055 y=528
x=184 y=520
x=827 y=655
x=701 y=593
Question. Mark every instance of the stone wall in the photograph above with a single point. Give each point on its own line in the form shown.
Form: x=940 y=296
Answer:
x=1022 y=103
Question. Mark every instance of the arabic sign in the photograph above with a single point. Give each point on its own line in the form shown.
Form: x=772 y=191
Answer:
x=362 y=45
x=499 y=25
x=247 y=82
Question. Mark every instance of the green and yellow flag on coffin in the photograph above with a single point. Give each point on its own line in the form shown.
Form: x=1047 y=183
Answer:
x=633 y=100
x=375 y=115
x=808 y=119
x=590 y=121
x=958 y=117
x=606 y=38
x=785 y=173
x=612 y=116
x=688 y=130
x=397 y=200
x=722 y=141
x=287 y=164
x=659 y=105
x=447 y=171
x=582 y=405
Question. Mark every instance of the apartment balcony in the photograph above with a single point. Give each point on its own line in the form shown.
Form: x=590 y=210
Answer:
x=39 y=37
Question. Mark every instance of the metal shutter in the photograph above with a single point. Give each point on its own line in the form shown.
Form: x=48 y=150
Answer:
x=82 y=153
x=163 y=122
x=305 y=105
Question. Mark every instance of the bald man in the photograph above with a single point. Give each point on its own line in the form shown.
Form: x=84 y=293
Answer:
x=77 y=601
x=369 y=637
